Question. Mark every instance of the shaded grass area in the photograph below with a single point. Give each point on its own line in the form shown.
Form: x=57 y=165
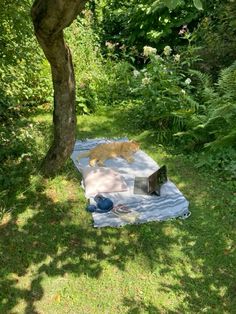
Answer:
x=53 y=261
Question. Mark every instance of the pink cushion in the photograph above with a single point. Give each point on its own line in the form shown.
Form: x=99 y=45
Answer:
x=102 y=180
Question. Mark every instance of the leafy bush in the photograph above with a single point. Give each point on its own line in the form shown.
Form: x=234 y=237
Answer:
x=88 y=62
x=99 y=81
x=24 y=73
x=137 y=23
x=164 y=91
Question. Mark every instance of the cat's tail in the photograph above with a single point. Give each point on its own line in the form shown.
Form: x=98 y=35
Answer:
x=83 y=155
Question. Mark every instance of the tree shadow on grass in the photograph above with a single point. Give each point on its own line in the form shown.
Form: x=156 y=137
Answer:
x=207 y=278
x=42 y=237
x=55 y=247
x=140 y=307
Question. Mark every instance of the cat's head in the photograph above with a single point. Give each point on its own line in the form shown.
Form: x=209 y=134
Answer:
x=134 y=146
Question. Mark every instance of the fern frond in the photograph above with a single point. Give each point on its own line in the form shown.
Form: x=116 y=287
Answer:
x=228 y=111
x=227 y=82
x=203 y=78
x=204 y=86
x=228 y=140
x=215 y=123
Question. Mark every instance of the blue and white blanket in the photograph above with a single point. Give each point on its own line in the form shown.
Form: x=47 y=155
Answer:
x=143 y=208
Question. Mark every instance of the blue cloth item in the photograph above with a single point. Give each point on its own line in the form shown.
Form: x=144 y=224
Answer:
x=91 y=208
x=104 y=205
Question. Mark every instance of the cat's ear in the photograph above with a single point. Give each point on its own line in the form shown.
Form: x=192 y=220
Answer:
x=135 y=143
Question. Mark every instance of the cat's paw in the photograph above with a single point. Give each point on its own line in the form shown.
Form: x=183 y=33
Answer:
x=130 y=160
x=92 y=163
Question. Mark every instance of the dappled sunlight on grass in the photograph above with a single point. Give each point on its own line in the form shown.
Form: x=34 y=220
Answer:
x=53 y=261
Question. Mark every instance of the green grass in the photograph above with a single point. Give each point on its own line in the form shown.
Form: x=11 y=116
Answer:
x=52 y=260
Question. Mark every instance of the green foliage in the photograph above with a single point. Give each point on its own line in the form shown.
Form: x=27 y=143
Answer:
x=215 y=35
x=118 y=86
x=227 y=82
x=99 y=81
x=215 y=128
x=85 y=49
x=88 y=63
x=86 y=99
x=141 y=22
x=24 y=73
x=222 y=161
x=163 y=91
x=211 y=131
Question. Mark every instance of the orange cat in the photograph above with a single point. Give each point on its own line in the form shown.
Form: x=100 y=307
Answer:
x=106 y=151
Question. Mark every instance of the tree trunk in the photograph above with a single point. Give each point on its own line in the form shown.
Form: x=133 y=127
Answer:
x=50 y=17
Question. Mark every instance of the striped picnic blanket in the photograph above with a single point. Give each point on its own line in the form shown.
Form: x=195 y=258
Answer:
x=140 y=208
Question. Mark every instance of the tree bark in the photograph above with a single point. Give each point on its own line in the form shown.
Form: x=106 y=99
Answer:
x=50 y=17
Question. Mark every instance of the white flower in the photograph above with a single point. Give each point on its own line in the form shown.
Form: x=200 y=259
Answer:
x=157 y=57
x=183 y=91
x=177 y=58
x=187 y=81
x=167 y=50
x=147 y=51
x=136 y=73
x=146 y=80
x=110 y=45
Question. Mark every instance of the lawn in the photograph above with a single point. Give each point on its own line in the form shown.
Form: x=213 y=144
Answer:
x=52 y=260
